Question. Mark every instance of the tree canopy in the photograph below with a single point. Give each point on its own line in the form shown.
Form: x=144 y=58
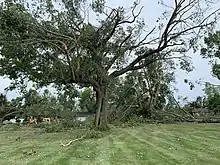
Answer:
x=211 y=50
x=53 y=42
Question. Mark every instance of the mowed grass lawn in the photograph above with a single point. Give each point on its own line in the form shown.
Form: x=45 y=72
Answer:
x=150 y=144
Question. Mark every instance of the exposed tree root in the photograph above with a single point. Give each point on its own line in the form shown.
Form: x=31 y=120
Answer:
x=65 y=145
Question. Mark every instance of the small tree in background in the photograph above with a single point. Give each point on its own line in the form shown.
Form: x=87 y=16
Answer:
x=87 y=100
x=143 y=92
x=9 y=109
x=3 y=100
x=213 y=98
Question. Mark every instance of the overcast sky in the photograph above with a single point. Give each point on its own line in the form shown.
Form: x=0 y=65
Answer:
x=150 y=13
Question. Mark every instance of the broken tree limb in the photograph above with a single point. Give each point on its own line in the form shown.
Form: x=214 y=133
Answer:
x=70 y=142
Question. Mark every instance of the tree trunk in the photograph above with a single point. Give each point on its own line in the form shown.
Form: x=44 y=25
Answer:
x=101 y=102
x=104 y=108
x=99 y=99
x=1 y=121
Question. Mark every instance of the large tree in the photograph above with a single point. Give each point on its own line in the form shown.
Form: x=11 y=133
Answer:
x=211 y=50
x=52 y=41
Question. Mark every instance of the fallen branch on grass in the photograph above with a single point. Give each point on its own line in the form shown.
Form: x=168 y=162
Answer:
x=65 y=145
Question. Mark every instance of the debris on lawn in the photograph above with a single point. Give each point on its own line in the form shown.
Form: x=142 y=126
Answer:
x=32 y=152
x=70 y=142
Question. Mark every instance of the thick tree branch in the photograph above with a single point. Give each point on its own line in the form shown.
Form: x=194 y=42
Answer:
x=130 y=48
x=170 y=22
x=132 y=66
x=152 y=61
x=138 y=59
x=56 y=34
x=15 y=112
x=142 y=43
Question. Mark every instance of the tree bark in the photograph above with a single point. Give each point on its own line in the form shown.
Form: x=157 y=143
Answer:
x=101 y=102
x=104 y=108
x=1 y=121
x=99 y=99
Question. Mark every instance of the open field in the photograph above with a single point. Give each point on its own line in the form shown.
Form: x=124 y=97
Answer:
x=189 y=144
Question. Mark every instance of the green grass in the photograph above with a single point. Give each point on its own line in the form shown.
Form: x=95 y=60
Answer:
x=189 y=144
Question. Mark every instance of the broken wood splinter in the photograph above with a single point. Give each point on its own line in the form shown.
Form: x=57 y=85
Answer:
x=70 y=142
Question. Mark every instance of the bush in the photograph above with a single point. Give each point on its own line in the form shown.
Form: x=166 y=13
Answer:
x=131 y=121
x=56 y=127
x=214 y=103
x=64 y=125
x=50 y=128
x=89 y=122
x=10 y=127
x=159 y=117
x=71 y=123
x=90 y=134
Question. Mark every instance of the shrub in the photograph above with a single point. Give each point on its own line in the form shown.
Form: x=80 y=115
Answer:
x=73 y=123
x=56 y=127
x=131 y=121
x=50 y=128
x=10 y=127
x=214 y=103
x=94 y=134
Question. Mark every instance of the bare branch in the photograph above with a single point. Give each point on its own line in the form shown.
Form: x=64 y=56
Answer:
x=139 y=58
x=170 y=22
x=116 y=23
x=56 y=34
x=157 y=59
x=134 y=16
x=70 y=142
x=141 y=43
x=119 y=47
x=176 y=3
